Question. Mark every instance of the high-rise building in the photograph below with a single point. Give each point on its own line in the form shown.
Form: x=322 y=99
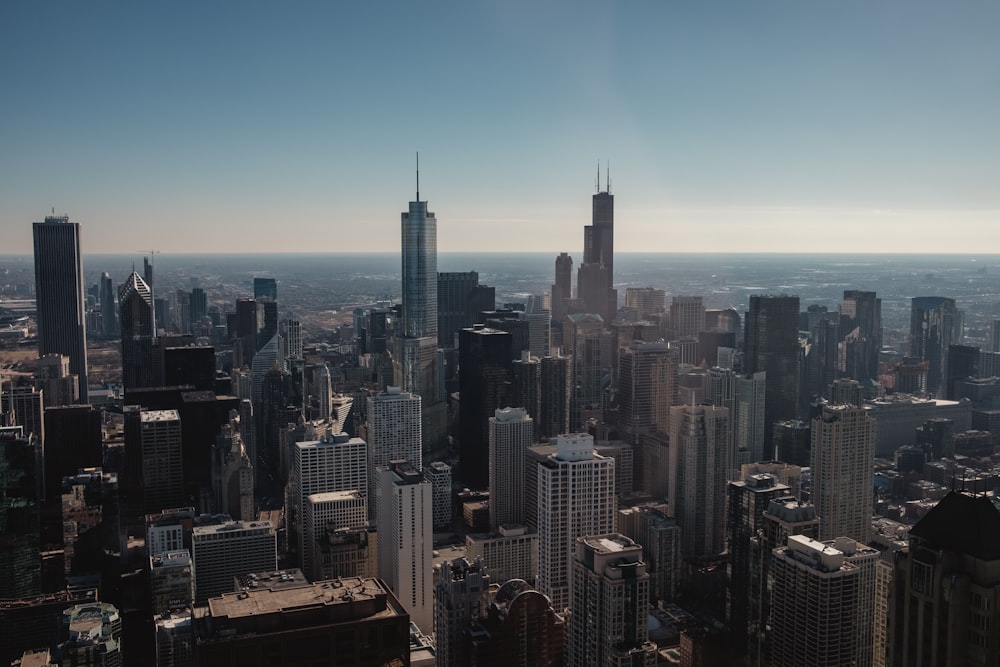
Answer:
x=232 y=474
x=963 y=364
x=650 y=526
x=438 y=473
x=60 y=387
x=590 y=349
x=792 y=442
x=647 y=388
x=562 y=289
x=92 y=532
x=28 y=406
x=153 y=448
x=525 y=375
x=539 y=317
x=816 y=598
x=171 y=581
x=595 y=278
x=699 y=464
x=61 y=313
x=843 y=464
x=484 y=382
x=460 y=301
x=943 y=598
x=109 y=314
x=520 y=627
x=325 y=511
x=416 y=359
x=20 y=563
x=647 y=301
x=221 y=552
x=265 y=289
x=90 y=635
x=511 y=432
x=862 y=312
x=993 y=344
x=772 y=346
x=935 y=323
x=73 y=440
x=687 y=317
x=554 y=392
x=394 y=430
x=338 y=463
x=608 y=625
x=135 y=303
x=576 y=497
x=508 y=553
x=457 y=598
x=748 y=500
x=406 y=539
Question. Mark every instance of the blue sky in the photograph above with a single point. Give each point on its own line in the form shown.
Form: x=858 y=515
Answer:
x=730 y=126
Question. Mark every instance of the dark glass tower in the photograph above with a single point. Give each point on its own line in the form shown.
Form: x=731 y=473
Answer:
x=595 y=278
x=935 y=324
x=861 y=327
x=772 y=346
x=484 y=379
x=59 y=294
x=135 y=303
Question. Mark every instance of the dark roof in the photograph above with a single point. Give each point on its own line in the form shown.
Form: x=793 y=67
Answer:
x=965 y=523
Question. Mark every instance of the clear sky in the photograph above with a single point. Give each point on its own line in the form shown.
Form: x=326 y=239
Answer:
x=750 y=125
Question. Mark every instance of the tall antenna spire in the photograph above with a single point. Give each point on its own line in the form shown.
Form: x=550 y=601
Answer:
x=607 y=179
x=418 y=175
x=598 y=175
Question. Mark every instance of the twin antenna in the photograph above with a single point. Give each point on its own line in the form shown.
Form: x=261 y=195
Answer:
x=607 y=177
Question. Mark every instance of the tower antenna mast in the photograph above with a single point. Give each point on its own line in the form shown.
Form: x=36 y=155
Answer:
x=418 y=176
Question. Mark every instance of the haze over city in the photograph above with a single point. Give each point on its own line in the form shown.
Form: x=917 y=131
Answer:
x=735 y=127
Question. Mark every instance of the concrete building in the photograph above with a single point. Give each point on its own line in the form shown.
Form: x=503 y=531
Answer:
x=509 y=553
x=394 y=428
x=647 y=388
x=609 y=603
x=223 y=551
x=404 y=516
x=555 y=386
x=658 y=533
x=345 y=552
x=171 y=581
x=174 y=639
x=935 y=324
x=772 y=346
x=576 y=497
x=511 y=433
x=90 y=635
x=331 y=509
x=843 y=466
x=458 y=595
x=160 y=448
x=438 y=473
x=520 y=627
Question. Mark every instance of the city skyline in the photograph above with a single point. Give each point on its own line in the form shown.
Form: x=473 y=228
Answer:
x=734 y=128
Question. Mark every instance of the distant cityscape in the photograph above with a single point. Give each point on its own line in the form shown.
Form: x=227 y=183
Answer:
x=574 y=458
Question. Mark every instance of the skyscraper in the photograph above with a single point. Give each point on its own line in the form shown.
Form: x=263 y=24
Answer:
x=647 y=388
x=135 y=303
x=609 y=603
x=562 y=289
x=416 y=359
x=843 y=464
x=510 y=435
x=935 y=324
x=583 y=339
x=59 y=294
x=862 y=314
x=153 y=446
x=457 y=598
x=405 y=540
x=394 y=428
x=555 y=385
x=772 y=346
x=576 y=497
x=699 y=462
x=599 y=256
x=484 y=382
x=109 y=314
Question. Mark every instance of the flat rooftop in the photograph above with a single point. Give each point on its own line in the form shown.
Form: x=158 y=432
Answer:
x=263 y=601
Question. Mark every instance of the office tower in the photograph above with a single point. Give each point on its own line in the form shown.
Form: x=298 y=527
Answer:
x=92 y=529
x=935 y=324
x=59 y=294
x=687 y=317
x=232 y=473
x=525 y=385
x=394 y=428
x=265 y=360
x=748 y=500
x=53 y=379
x=90 y=635
x=28 y=406
x=554 y=390
x=647 y=388
x=650 y=526
x=339 y=463
x=843 y=460
x=583 y=340
x=185 y=365
x=221 y=552
x=292 y=332
x=73 y=440
x=647 y=301
x=772 y=346
x=199 y=308
x=171 y=581
x=20 y=563
x=937 y=437
x=265 y=289
x=993 y=344
x=792 y=442
x=484 y=381
x=709 y=344
x=169 y=530
x=562 y=289
x=520 y=627
x=816 y=596
x=345 y=552
x=416 y=360
x=609 y=600
x=153 y=449
x=324 y=391
x=942 y=602
x=135 y=303
x=720 y=391
x=595 y=279
x=861 y=313
x=249 y=323
x=539 y=318
x=576 y=497
x=699 y=461
x=109 y=314
x=174 y=639
x=823 y=355
x=406 y=539
x=511 y=432
x=352 y=621
x=963 y=363
x=438 y=473
x=460 y=300
x=457 y=598
x=330 y=510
